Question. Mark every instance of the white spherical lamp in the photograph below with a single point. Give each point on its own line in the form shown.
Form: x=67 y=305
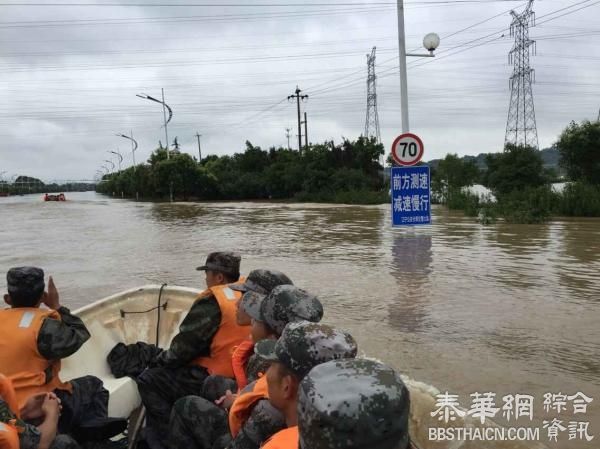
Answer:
x=431 y=41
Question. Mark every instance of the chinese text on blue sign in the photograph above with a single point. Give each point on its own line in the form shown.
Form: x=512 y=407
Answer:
x=411 y=203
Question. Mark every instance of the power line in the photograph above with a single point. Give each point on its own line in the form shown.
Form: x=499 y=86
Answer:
x=256 y=5
x=178 y=19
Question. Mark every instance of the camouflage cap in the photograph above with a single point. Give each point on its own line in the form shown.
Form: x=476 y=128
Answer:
x=29 y=279
x=262 y=281
x=353 y=404
x=250 y=303
x=287 y=304
x=304 y=345
x=224 y=262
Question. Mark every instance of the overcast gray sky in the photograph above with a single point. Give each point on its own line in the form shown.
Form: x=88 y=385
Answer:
x=71 y=70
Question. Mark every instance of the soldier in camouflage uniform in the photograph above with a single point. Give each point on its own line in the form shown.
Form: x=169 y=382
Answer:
x=251 y=366
x=44 y=408
x=353 y=404
x=199 y=424
x=34 y=437
x=302 y=346
x=172 y=374
x=84 y=408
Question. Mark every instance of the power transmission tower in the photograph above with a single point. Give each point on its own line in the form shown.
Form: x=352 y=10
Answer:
x=520 y=126
x=287 y=135
x=372 y=120
x=298 y=97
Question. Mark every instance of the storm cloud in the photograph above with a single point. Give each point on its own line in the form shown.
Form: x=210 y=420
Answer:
x=70 y=74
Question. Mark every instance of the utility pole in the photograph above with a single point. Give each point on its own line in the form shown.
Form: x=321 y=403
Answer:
x=199 y=149
x=298 y=97
x=287 y=135
x=305 y=131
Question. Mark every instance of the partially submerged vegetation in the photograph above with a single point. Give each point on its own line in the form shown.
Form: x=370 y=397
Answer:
x=351 y=173
x=348 y=173
x=521 y=186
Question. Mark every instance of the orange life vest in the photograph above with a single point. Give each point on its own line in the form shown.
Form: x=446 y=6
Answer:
x=9 y=434
x=20 y=360
x=245 y=402
x=239 y=361
x=229 y=335
x=284 y=439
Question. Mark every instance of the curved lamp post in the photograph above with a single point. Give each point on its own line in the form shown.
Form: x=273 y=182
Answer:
x=119 y=156
x=111 y=163
x=165 y=108
x=134 y=145
x=166 y=121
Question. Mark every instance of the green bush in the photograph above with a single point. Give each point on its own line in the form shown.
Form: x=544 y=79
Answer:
x=465 y=201
x=579 y=199
x=527 y=206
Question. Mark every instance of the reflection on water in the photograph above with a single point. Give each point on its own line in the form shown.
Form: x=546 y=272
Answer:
x=464 y=307
x=410 y=266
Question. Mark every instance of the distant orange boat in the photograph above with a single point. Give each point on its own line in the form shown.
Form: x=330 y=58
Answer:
x=60 y=197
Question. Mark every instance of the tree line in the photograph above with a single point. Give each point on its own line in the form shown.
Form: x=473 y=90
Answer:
x=347 y=172
x=350 y=172
x=520 y=184
x=22 y=185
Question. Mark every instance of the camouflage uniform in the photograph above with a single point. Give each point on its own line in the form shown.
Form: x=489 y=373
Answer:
x=286 y=304
x=257 y=284
x=353 y=404
x=193 y=419
x=304 y=345
x=29 y=437
x=199 y=424
x=58 y=339
x=173 y=376
x=256 y=367
x=262 y=281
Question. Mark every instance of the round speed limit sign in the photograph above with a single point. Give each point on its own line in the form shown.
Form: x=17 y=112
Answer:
x=407 y=149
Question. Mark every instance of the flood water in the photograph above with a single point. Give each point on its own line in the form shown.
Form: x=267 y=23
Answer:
x=463 y=307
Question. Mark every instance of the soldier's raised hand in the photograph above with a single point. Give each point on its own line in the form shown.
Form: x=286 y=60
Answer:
x=52 y=298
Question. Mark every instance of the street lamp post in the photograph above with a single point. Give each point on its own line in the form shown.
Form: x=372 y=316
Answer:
x=430 y=42
x=134 y=145
x=119 y=156
x=111 y=163
x=165 y=108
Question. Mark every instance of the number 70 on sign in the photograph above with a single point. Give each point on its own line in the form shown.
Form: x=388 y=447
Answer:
x=407 y=149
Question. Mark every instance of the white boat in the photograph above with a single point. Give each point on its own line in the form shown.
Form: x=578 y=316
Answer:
x=111 y=321
x=152 y=313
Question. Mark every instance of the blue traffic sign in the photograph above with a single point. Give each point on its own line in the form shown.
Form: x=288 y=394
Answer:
x=411 y=198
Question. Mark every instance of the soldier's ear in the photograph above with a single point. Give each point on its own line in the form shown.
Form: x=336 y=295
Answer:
x=7 y=299
x=290 y=387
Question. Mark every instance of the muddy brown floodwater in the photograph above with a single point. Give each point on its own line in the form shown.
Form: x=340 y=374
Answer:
x=463 y=307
